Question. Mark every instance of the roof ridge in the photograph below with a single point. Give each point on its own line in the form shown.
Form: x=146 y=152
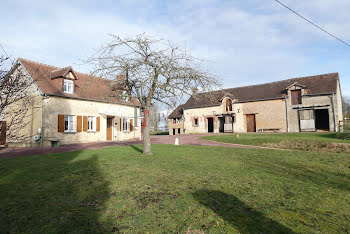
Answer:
x=60 y=68
x=273 y=82
x=28 y=60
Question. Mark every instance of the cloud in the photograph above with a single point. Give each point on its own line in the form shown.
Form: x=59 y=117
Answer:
x=244 y=42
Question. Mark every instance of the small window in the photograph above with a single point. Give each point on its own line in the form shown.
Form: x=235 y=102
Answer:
x=195 y=121
x=178 y=131
x=306 y=114
x=296 y=97
x=125 y=96
x=174 y=120
x=68 y=86
x=126 y=125
x=174 y=131
x=69 y=123
x=91 y=123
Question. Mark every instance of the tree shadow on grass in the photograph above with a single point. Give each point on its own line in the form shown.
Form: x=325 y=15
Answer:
x=137 y=148
x=53 y=193
x=237 y=213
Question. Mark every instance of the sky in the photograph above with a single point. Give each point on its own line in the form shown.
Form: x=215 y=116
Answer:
x=244 y=42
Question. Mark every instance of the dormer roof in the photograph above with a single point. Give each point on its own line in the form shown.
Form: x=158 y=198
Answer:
x=66 y=72
x=296 y=84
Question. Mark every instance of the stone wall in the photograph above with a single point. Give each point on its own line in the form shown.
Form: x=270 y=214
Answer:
x=55 y=106
x=269 y=114
x=176 y=126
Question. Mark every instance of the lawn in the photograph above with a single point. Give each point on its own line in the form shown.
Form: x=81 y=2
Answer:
x=177 y=189
x=297 y=141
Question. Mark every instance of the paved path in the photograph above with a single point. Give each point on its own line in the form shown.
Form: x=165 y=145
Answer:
x=183 y=139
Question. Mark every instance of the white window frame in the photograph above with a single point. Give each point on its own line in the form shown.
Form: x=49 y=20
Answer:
x=68 y=86
x=126 y=125
x=71 y=123
x=91 y=124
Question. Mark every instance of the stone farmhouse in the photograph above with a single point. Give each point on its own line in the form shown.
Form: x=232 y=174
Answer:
x=312 y=103
x=71 y=107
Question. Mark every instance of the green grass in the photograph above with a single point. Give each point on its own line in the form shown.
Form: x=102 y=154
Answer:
x=297 y=141
x=179 y=188
x=160 y=133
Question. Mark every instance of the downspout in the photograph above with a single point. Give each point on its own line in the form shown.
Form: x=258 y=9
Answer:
x=335 y=122
x=285 y=99
x=42 y=121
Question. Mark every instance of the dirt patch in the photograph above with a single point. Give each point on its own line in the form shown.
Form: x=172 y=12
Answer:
x=146 y=198
x=312 y=146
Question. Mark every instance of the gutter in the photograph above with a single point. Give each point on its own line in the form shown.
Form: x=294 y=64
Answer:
x=88 y=99
x=287 y=114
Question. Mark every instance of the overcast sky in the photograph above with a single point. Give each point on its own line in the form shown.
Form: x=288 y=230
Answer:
x=245 y=42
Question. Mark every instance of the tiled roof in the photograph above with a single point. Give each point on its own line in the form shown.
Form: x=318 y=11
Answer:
x=85 y=87
x=177 y=113
x=319 y=84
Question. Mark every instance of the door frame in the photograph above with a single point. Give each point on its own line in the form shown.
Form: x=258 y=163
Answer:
x=246 y=121
x=212 y=120
x=110 y=117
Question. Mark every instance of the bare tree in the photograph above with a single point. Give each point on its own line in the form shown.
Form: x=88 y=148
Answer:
x=153 y=117
x=16 y=101
x=346 y=106
x=156 y=70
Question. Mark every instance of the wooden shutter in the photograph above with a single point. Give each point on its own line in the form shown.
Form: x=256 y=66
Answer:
x=60 y=123
x=131 y=125
x=192 y=118
x=79 y=123
x=97 y=124
x=85 y=123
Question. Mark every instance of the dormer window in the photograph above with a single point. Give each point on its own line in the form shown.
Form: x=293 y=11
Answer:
x=228 y=103
x=296 y=96
x=68 y=86
x=125 y=96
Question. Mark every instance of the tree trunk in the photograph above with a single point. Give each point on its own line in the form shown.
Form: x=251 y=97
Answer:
x=146 y=137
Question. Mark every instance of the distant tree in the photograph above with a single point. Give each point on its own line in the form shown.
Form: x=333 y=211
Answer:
x=346 y=106
x=156 y=70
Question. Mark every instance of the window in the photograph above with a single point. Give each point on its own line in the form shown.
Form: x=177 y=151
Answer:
x=125 y=96
x=228 y=104
x=306 y=114
x=196 y=121
x=68 y=86
x=178 y=131
x=296 y=96
x=69 y=123
x=174 y=131
x=126 y=125
x=91 y=123
x=174 y=120
x=228 y=120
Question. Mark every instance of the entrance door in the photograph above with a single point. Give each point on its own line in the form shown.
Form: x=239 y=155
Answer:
x=322 y=119
x=221 y=122
x=251 y=125
x=210 y=125
x=109 y=128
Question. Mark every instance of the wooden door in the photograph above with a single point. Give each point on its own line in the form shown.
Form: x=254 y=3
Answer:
x=210 y=125
x=109 y=128
x=251 y=126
